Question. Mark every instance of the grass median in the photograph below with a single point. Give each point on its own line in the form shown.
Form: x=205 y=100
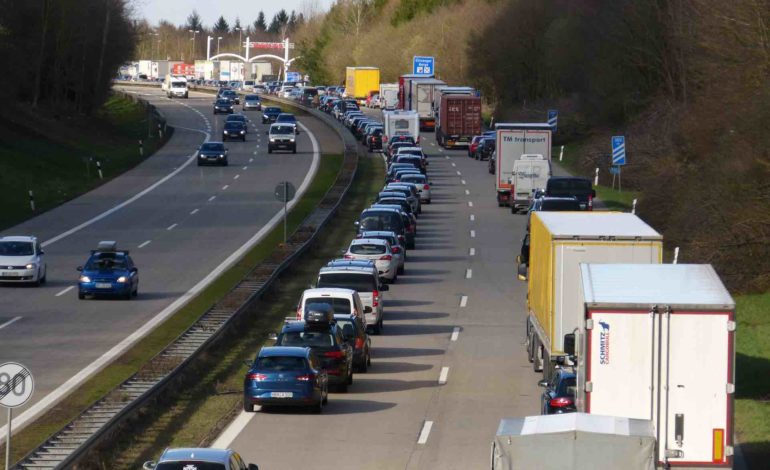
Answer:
x=132 y=360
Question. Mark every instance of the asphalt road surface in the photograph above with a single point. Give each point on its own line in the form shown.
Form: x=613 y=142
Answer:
x=179 y=231
x=451 y=360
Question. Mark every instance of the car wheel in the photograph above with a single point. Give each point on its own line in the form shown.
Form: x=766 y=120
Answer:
x=248 y=407
x=81 y=296
x=243 y=138
x=537 y=355
x=44 y=279
x=129 y=295
x=199 y=163
x=368 y=358
x=400 y=270
x=514 y=210
x=225 y=163
x=136 y=291
x=269 y=149
x=343 y=387
x=350 y=375
x=326 y=395
x=376 y=329
x=294 y=150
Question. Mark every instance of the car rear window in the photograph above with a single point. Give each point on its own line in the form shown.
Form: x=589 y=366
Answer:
x=381 y=221
x=280 y=363
x=310 y=339
x=367 y=249
x=361 y=282
x=566 y=187
x=190 y=464
x=560 y=206
x=212 y=147
x=339 y=305
x=413 y=178
x=565 y=384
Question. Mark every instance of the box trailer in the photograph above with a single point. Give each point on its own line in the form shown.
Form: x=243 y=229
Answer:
x=657 y=342
x=389 y=96
x=400 y=121
x=422 y=92
x=440 y=91
x=359 y=81
x=405 y=89
x=573 y=441
x=459 y=120
x=558 y=243
x=513 y=141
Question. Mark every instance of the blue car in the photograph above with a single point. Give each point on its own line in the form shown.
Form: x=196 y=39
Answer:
x=108 y=272
x=285 y=376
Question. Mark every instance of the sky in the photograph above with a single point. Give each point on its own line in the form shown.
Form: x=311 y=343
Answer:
x=176 y=11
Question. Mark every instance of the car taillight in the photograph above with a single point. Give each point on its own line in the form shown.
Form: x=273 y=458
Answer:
x=306 y=378
x=560 y=402
x=386 y=258
x=348 y=256
x=396 y=249
x=375 y=298
x=401 y=238
x=590 y=202
x=334 y=354
x=299 y=313
x=426 y=186
x=359 y=343
x=257 y=377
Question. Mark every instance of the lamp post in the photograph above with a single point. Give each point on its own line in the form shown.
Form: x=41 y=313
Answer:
x=194 y=32
x=155 y=56
x=219 y=38
x=240 y=38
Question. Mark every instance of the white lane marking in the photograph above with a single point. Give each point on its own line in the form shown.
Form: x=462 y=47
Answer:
x=468 y=273
x=251 y=160
x=171 y=227
x=245 y=167
x=233 y=430
x=194 y=211
x=15 y=319
x=455 y=334
x=432 y=144
x=212 y=198
x=236 y=177
x=462 y=181
x=425 y=432
x=123 y=204
x=467 y=192
x=463 y=301
x=446 y=156
x=255 y=152
x=225 y=187
x=473 y=217
x=459 y=174
x=442 y=378
x=470 y=203
x=473 y=234
x=47 y=401
x=145 y=244
x=472 y=252
x=454 y=164
x=64 y=291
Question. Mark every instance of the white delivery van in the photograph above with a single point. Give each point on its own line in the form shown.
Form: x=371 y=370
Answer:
x=175 y=86
x=529 y=174
x=388 y=96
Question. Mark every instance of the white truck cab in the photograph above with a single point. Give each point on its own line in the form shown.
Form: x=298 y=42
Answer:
x=175 y=86
x=530 y=173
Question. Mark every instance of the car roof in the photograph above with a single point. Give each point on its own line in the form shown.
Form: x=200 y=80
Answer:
x=197 y=453
x=373 y=241
x=18 y=238
x=410 y=148
x=217 y=142
x=379 y=233
x=350 y=263
x=292 y=351
x=328 y=292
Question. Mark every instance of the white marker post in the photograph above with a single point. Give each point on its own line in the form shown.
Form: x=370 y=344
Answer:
x=99 y=169
x=676 y=255
x=633 y=207
x=596 y=178
x=141 y=149
x=561 y=153
x=31 y=200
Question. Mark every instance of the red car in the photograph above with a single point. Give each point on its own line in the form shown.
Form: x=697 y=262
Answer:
x=473 y=145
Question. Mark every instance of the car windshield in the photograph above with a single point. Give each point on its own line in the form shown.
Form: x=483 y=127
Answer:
x=381 y=221
x=178 y=84
x=282 y=130
x=252 y=98
x=223 y=102
x=280 y=364
x=16 y=249
x=229 y=93
x=414 y=178
x=287 y=118
x=339 y=305
x=367 y=249
x=307 y=339
x=361 y=282
x=271 y=110
x=233 y=125
x=565 y=384
x=236 y=117
x=213 y=147
x=560 y=205
x=102 y=261
x=190 y=464
x=401 y=124
x=567 y=187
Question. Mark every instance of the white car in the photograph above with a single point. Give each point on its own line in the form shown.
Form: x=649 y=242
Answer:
x=376 y=250
x=286 y=92
x=343 y=301
x=398 y=250
x=21 y=260
x=421 y=181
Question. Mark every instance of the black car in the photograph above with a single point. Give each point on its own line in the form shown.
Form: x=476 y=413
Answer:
x=572 y=186
x=387 y=220
x=270 y=114
x=231 y=95
x=354 y=331
x=324 y=337
x=485 y=148
x=212 y=153
x=223 y=105
x=552 y=204
x=559 y=394
x=234 y=130
x=373 y=138
x=287 y=118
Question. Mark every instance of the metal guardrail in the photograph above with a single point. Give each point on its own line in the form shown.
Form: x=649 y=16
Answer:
x=93 y=427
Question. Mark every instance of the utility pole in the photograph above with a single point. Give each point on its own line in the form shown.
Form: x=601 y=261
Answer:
x=218 y=39
x=192 y=55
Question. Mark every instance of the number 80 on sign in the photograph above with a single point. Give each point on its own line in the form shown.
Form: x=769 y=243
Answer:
x=16 y=385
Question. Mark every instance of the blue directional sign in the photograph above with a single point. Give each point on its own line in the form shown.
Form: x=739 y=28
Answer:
x=553 y=118
x=615 y=170
x=423 y=65
x=618 y=150
x=293 y=77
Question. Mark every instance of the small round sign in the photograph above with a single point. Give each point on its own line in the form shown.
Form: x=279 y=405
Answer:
x=16 y=384
x=285 y=191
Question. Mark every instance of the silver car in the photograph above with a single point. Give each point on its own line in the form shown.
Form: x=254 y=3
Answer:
x=421 y=181
x=377 y=250
x=396 y=247
x=22 y=261
x=362 y=277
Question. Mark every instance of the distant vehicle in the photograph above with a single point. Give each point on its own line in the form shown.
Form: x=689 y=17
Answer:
x=458 y=120
x=248 y=85
x=286 y=91
x=202 y=458
x=234 y=130
x=354 y=332
x=373 y=139
x=371 y=97
x=288 y=375
x=270 y=113
x=384 y=219
x=571 y=186
x=231 y=95
x=223 y=105
x=241 y=118
x=401 y=122
x=388 y=96
x=212 y=152
x=175 y=86
x=252 y=102
x=552 y=204
x=530 y=173
x=422 y=185
x=396 y=247
x=559 y=394
x=282 y=136
x=22 y=260
x=343 y=301
x=378 y=251
x=359 y=81
x=512 y=141
x=362 y=277
x=108 y=272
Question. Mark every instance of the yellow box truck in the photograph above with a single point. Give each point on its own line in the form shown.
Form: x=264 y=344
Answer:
x=359 y=81
x=558 y=243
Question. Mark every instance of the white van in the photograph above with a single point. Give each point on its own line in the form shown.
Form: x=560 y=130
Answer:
x=530 y=173
x=343 y=301
x=175 y=85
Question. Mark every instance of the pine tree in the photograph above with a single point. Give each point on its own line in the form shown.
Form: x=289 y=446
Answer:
x=194 y=21
x=221 y=26
x=259 y=25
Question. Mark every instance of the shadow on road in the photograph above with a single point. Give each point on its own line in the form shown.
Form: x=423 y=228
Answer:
x=407 y=315
x=383 y=353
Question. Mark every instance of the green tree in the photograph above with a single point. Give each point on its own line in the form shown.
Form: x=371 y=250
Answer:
x=279 y=22
x=259 y=24
x=221 y=26
x=194 y=21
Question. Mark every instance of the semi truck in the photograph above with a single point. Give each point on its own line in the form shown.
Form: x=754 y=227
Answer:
x=556 y=245
x=513 y=141
x=359 y=81
x=400 y=121
x=459 y=119
x=405 y=89
x=440 y=91
x=421 y=101
x=657 y=342
x=388 y=96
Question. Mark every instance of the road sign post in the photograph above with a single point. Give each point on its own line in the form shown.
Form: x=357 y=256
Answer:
x=618 y=157
x=285 y=192
x=423 y=65
x=553 y=119
x=16 y=387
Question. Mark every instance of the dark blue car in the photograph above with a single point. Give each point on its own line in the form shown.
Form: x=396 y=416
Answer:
x=285 y=376
x=108 y=272
x=559 y=394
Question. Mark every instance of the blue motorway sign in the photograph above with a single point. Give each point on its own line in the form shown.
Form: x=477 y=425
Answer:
x=423 y=65
x=618 y=150
x=293 y=77
x=553 y=118
x=615 y=170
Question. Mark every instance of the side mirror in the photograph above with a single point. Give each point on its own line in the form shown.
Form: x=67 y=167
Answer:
x=356 y=223
x=367 y=309
x=149 y=465
x=272 y=336
x=384 y=288
x=569 y=344
x=253 y=466
x=522 y=272
x=518 y=259
x=542 y=383
x=79 y=268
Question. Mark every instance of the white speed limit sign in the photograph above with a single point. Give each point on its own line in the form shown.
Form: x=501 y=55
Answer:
x=16 y=385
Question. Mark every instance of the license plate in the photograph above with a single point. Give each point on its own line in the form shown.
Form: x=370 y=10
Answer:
x=9 y=274
x=281 y=394
x=103 y=285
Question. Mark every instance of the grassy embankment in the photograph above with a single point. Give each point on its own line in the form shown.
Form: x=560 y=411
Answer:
x=52 y=156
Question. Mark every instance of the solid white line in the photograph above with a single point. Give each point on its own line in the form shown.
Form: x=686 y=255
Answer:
x=251 y=160
x=473 y=217
x=255 y=152
x=473 y=234
x=245 y=167
x=233 y=430
x=64 y=291
x=145 y=244
x=468 y=273
x=236 y=177
x=46 y=402
x=171 y=227
x=15 y=319
x=446 y=156
x=467 y=192
x=472 y=252
x=459 y=174
x=442 y=378
x=194 y=211
x=454 y=164
x=425 y=432
x=470 y=203
x=212 y=198
x=462 y=181
x=455 y=334
x=225 y=187
x=463 y=301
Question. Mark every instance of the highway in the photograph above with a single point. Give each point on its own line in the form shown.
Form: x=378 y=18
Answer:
x=450 y=362
x=179 y=221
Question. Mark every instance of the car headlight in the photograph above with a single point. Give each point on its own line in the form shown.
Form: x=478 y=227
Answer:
x=30 y=266
x=85 y=279
x=272 y=139
x=122 y=279
x=243 y=132
x=226 y=132
x=222 y=155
